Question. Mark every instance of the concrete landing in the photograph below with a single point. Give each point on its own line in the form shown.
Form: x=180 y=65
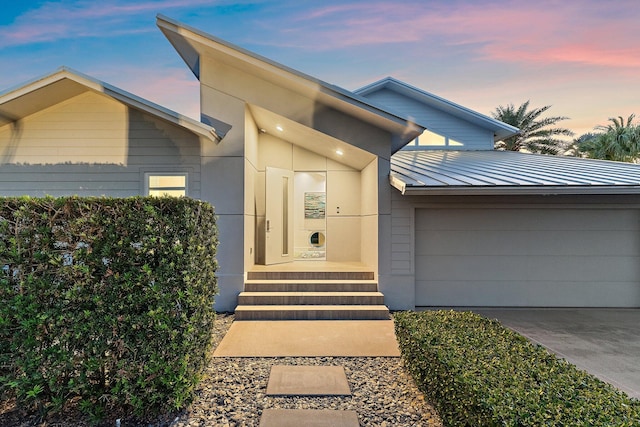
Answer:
x=308 y=418
x=307 y=381
x=309 y=338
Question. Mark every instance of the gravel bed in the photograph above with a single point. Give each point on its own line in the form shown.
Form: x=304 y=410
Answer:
x=233 y=393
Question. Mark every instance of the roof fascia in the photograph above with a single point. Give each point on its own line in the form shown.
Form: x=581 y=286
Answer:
x=512 y=191
x=115 y=93
x=385 y=119
x=500 y=129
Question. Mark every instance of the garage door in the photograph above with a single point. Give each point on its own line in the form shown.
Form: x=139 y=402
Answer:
x=527 y=257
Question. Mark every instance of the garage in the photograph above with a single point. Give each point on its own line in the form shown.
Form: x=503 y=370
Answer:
x=527 y=256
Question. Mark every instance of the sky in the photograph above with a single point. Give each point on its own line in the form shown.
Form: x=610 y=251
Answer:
x=582 y=57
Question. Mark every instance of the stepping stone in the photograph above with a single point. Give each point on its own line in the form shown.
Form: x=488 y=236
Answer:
x=308 y=418
x=308 y=381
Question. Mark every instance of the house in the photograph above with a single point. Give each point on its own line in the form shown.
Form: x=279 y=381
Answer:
x=388 y=177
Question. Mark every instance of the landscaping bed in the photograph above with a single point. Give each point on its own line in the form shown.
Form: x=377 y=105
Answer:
x=477 y=372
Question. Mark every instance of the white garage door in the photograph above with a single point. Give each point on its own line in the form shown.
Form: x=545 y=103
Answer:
x=528 y=257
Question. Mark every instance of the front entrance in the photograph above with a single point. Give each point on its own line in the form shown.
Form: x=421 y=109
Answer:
x=311 y=208
x=295 y=220
x=279 y=214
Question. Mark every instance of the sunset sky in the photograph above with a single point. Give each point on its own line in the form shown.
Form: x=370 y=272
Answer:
x=580 y=56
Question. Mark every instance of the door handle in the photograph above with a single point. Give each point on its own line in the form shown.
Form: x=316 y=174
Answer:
x=268 y=226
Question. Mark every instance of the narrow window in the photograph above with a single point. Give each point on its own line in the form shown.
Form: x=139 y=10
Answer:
x=167 y=184
x=285 y=215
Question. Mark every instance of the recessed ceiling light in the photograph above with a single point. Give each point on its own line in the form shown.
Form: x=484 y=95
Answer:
x=279 y=128
x=339 y=152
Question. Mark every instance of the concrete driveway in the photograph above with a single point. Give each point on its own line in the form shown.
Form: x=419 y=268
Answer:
x=604 y=342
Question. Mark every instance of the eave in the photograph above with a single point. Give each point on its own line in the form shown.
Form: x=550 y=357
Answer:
x=500 y=129
x=193 y=44
x=65 y=83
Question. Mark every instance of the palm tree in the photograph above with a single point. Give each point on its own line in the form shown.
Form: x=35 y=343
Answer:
x=574 y=148
x=535 y=134
x=616 y=141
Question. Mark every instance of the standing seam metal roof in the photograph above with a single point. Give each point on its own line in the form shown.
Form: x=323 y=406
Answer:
x=453 y=170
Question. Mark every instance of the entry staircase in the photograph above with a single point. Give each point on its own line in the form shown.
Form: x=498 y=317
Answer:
x=306 y=295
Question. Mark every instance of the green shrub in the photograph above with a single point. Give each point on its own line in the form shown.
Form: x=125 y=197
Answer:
x=479 y=373
x=105 y=302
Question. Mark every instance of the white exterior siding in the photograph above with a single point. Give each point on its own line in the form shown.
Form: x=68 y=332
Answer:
x=473 y=137
x=402 y=230
x=91 y=145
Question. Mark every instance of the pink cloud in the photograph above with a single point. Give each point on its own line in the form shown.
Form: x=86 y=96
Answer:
x=506 y=31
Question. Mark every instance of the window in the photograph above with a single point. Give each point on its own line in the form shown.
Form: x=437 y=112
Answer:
x=167 y=184
x=432 y=139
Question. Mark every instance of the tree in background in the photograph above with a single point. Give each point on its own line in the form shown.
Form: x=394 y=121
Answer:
x=617 y=141
x=537 y=135
x=574 y=149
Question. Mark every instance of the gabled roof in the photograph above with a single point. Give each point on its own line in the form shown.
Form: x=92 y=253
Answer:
x=500 y=130
x=507 y=172
x=65 y=83
x=191 y=44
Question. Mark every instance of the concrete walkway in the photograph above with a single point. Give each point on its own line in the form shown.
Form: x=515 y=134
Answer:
x=603 y=342
x=309 y=338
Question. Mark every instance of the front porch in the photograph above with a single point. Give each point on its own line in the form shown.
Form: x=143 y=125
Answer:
x=311 y=290
x=304 y=266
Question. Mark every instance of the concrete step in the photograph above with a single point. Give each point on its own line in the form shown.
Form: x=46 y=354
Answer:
x=312 y=312
x=310 y=275
x=310 y=298
x=310 y=286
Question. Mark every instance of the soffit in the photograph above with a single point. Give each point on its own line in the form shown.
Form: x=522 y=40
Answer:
x=310 y=139
x=33 y=101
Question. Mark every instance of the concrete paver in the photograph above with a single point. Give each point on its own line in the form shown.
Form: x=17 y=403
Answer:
x=603 y=342
x=309 y=338
x=308 y=381
x=308 y=418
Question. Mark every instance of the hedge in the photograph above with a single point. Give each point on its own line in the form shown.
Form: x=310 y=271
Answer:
x=105 y=302
x=478 y=373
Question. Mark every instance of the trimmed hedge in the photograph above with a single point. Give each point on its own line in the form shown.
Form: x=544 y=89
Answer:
x=105 y=302
x=479 y=373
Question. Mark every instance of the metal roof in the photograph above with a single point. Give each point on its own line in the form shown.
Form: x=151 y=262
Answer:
x=507 y=172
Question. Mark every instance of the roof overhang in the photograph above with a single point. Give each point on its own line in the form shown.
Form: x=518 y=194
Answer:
x=511 y=190
x=500 y=129
x=437 y=173
x=193 y=44
x=44 y=92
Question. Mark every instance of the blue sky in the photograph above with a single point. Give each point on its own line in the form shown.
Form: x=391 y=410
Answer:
x=580 y=56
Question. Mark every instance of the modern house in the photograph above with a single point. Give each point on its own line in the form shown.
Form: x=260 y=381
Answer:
x=305 y=176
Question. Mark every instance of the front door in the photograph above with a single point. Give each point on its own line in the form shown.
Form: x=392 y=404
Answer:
x=279 y=216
